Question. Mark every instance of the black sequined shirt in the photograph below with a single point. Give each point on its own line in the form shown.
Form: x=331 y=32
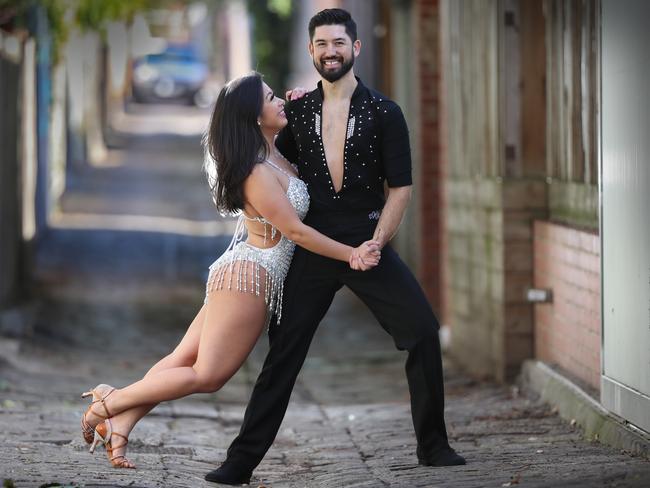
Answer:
x=376 y=150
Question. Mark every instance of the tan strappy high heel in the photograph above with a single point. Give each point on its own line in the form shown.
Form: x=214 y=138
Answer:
x=104 y=433
x=87 y=431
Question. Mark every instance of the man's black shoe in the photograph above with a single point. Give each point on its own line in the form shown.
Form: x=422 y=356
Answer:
x=229 y=474
x=446 y=457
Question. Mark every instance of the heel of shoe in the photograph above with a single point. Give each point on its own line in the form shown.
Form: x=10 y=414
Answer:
x=97 y=440
x=86 y=394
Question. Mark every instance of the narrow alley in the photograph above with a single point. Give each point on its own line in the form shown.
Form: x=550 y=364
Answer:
x=117 y=297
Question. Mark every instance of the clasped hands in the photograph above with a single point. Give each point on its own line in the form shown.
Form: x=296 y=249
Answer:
x=366 y=256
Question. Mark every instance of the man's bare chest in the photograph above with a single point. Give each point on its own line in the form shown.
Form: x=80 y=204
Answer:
x=334 y=126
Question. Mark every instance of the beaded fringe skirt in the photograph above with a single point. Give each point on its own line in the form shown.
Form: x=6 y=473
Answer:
x=239 y=269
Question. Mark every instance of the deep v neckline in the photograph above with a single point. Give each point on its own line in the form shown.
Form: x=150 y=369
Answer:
x=322 y=144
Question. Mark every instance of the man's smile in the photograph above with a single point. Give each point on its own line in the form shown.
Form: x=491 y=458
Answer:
x=331 y=63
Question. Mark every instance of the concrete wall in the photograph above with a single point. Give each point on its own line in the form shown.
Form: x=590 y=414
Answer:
x=474 y=221
x=475 y=281
x=489 y=227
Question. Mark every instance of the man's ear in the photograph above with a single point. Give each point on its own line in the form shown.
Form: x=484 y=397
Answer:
x=356 y=45
x=310 y=48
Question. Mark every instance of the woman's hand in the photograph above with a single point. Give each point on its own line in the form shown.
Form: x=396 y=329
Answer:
x=295 y=94
x=366 y=256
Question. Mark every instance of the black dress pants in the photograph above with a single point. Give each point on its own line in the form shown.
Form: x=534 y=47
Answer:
x=395 y=298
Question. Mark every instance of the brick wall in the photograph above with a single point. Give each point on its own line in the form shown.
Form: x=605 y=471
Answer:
x=431 y=204
x=567 y=331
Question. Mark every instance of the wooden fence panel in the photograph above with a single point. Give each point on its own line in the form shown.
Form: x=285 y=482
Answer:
x=10 y=183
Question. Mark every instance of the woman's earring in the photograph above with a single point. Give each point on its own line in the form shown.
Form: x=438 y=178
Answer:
x=259 y=123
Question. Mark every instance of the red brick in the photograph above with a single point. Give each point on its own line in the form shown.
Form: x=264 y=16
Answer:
x=568 y=331
x=589 y=262
x=588 y=240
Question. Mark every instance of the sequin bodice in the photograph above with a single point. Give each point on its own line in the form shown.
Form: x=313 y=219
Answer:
x=275 y=261
x=298 y=196
x=296 y=193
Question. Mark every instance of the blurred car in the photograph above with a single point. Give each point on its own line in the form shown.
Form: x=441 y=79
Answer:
x=176 y=74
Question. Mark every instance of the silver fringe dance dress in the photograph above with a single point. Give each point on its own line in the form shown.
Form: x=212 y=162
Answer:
x=274 y=260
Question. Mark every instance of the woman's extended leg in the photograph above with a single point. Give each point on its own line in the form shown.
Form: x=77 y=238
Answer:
x=233 y=322
x=184 y=354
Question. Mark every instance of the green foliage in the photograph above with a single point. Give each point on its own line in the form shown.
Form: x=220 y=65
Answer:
x=280 y=7
x=92 y=15
x=11 y=4
x=56 y=11
x=88 y=15
x=271 y=25
x=271 y=39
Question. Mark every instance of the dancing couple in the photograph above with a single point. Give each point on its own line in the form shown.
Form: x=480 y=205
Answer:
x=307 y=179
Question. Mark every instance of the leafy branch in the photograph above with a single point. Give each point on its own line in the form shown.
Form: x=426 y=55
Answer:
x=87 y=15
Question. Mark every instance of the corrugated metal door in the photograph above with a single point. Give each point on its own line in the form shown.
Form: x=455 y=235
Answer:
x=625 y=191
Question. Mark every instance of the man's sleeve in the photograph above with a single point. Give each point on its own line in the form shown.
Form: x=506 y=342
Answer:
x=395 y=146
x=286 y=143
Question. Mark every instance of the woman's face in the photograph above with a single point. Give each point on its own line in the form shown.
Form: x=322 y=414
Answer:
x=272 y=117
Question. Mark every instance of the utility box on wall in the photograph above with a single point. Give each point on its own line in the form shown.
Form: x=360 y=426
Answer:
x=625 y=209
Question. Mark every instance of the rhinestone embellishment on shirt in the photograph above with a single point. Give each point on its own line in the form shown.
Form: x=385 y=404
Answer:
x=317 y=123
x=350 y=127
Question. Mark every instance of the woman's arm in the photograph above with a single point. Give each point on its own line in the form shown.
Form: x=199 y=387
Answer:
x=265 y=194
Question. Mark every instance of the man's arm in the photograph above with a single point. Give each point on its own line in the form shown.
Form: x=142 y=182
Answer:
x=396 y=160
x=392 y=214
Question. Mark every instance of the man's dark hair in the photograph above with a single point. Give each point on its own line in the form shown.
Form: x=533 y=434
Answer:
x=333 y=16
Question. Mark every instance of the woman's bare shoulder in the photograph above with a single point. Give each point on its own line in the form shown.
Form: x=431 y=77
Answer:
x=261 y=176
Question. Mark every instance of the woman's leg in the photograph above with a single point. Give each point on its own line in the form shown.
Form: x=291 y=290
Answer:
x=184 y=354
x=232 y=324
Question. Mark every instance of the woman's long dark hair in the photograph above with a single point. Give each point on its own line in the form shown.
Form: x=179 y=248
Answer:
x=234 y=142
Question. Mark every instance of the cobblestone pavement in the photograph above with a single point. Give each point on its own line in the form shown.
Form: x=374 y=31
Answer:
x=348 y=423
x=108 y=311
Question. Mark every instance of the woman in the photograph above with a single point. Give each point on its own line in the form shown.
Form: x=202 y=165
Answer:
x=244 y=287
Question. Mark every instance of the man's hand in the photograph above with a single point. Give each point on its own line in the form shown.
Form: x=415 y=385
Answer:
x=366 y=256
x=295 y=94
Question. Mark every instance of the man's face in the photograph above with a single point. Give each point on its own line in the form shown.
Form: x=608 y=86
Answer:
x=332 y=51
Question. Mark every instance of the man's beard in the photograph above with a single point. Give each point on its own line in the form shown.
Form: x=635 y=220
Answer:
x=336 y=75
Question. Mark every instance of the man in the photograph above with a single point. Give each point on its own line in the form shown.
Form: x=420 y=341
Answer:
x=347 y=140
